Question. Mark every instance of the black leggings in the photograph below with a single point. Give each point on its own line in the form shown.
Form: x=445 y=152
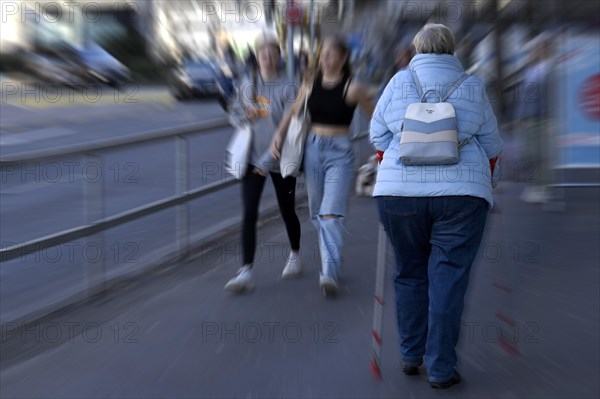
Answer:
x=252 y=187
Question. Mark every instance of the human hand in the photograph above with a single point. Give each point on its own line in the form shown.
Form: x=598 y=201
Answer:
x=251 y=114
x=259 y=171
x=276 y=146
x=494 y=168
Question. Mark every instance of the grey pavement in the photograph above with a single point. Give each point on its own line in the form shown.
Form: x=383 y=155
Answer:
x=43 y=197
x=530 y=327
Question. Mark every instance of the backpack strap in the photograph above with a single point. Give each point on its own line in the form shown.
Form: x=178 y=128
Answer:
x=455 y=86
x=418 y=84
x=442 y=98
x=305 y=106
x=255 y=76
x=423 y=95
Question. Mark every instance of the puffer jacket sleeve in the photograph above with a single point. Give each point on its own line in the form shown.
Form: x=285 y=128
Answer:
x=488 y=136
x=379 y=133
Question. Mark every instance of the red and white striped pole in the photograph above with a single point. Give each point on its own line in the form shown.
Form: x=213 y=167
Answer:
x=375 y=364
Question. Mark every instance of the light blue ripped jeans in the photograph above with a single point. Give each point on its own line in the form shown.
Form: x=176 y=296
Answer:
x=329 y=169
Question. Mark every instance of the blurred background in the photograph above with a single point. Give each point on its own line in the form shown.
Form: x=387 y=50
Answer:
x=114 y=193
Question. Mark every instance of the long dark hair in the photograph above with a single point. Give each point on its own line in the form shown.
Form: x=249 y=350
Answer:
x=343 y=48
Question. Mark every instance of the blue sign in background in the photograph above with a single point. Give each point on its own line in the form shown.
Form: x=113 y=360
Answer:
x=579 y=130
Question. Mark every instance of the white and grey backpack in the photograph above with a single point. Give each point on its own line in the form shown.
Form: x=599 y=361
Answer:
x=429 y=131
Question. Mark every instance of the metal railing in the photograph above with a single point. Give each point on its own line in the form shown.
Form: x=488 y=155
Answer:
x=94 y=199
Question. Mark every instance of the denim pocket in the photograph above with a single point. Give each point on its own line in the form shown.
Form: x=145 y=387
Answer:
x=458 y=207
x=400 y=206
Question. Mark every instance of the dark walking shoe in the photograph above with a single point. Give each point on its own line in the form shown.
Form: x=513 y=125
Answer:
x=455 y=379
x=410 y=369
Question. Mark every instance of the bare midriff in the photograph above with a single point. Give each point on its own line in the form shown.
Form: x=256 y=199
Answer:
x=329 y=130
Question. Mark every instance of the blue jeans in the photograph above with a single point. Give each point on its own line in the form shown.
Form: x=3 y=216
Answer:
x=435 y=241
x=329 y=169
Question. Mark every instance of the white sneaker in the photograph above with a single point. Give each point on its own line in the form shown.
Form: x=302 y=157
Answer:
x=243 y=281
x=329 y=285
x=293 y=267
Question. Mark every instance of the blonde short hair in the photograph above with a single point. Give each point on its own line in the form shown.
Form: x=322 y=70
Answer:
x=434 y=39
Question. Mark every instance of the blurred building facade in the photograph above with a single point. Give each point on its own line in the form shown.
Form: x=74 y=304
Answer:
x=31 y=25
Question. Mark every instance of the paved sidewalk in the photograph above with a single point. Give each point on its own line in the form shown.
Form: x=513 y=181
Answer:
x=176 y=333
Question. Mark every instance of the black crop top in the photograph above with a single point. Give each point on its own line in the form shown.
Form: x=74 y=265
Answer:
x=328 y=106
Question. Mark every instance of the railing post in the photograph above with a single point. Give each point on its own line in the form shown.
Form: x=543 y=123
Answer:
x=94 y=249
x=182 y=186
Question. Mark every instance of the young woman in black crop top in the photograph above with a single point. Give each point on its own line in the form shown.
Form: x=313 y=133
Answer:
x=328 y=154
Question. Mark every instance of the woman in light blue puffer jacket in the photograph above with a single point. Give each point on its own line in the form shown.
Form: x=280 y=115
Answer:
x=434 y=215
